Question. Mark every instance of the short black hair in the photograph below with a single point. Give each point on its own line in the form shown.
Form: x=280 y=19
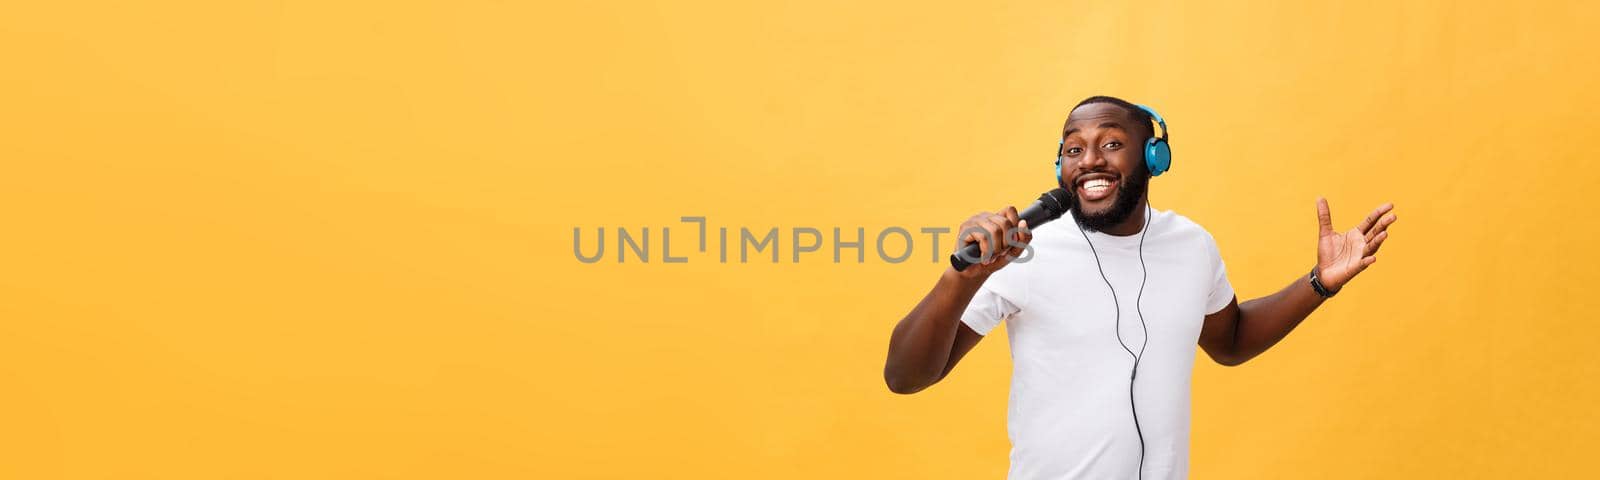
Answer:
x=1138 y=115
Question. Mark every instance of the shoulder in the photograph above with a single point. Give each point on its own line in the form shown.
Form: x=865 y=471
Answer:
x=1180 y=229
x=1170 y=222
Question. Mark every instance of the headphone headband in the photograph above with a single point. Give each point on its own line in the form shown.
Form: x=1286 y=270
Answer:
x=1159 y=121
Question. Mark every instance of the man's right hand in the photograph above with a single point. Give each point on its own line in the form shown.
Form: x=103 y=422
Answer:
x=1000 y=231
x=928 y=342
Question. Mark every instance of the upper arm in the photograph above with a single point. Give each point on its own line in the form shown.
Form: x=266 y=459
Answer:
x=995 y=302
x=966 y=338
x=1218 y=334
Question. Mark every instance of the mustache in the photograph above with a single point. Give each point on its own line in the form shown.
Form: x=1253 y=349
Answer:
x=1083 y=173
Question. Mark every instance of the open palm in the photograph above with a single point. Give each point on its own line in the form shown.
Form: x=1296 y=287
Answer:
x=1341 y=256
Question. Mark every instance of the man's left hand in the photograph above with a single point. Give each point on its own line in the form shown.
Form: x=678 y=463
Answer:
x=1340 y=257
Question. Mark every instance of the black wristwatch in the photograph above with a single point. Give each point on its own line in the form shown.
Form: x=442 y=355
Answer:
x=1316 y=284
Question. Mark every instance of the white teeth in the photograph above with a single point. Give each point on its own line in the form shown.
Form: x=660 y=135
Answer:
x=1096 y=183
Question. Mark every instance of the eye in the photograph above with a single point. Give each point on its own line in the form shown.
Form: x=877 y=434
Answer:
x=1113 y=145
x=1074 y=150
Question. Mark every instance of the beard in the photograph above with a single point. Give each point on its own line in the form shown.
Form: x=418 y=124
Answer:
x=1126 y=201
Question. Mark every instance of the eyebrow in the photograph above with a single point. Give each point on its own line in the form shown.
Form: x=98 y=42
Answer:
x=1115 y=125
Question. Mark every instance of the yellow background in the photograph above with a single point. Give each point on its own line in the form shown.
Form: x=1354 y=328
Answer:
x=304 y=239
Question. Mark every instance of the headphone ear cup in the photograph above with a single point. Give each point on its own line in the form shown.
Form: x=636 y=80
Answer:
x=1059 y=146
x=1157 y=156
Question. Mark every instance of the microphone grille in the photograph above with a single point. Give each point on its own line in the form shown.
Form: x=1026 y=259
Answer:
x=1056 y=201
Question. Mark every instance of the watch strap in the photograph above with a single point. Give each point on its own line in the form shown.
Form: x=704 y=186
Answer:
x=1316 y=284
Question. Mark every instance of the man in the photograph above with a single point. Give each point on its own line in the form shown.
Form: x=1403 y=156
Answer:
x=1104 y=315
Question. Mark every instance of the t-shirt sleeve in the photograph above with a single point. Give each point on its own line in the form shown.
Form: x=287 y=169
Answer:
x=1221 y=290
x=995 y=301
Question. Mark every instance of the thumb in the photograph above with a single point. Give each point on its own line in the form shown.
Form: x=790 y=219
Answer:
x=1324 y=219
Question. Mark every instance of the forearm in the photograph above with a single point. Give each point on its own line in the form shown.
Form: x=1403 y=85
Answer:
x=1239 y=332
x=1264 y=321
x=920 y=347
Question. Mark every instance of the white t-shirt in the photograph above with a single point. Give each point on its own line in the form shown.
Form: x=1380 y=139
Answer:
x=1069 y=414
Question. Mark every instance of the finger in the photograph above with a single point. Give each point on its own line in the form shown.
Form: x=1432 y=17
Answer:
x=1005 y=231
x=1011 y=216
x=1009 y=223
x=1372 y=219
x=994 y=238
x=1007 y=219
x=1002 y=230
x=1361 y=266
x=1324 y=219
x=1375 y=243
x=1382 y=226
x=1022 y=236
x=970 y=231
x=973 y=232
x=975 y=235
x=980 y=236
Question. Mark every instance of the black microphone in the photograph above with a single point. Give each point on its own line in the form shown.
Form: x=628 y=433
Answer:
x=1049 y=207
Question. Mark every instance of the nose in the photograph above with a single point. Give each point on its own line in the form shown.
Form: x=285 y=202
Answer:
x=1092 y=160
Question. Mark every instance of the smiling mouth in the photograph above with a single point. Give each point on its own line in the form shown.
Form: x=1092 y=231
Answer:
x=1097 y=188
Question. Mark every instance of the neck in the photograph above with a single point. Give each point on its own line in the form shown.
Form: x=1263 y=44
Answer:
x=1133 y=224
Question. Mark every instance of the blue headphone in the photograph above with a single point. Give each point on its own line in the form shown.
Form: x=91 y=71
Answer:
x=1157 y=153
